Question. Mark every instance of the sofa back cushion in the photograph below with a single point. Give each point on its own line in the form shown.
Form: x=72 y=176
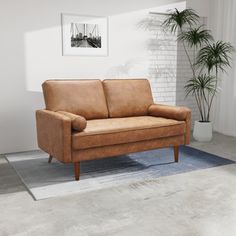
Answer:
x=81 y=97
x=127 y=97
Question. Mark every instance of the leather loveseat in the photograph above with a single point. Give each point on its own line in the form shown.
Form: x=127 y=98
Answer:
x=91 y=119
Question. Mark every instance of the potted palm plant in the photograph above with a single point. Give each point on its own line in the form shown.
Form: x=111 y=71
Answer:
x=209 y=59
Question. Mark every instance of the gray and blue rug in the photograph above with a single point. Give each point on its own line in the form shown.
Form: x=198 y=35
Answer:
x=45 y=180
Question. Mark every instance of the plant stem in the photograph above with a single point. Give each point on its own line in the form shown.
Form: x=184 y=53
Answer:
x=214 y=93
x=194 y=56
x=203 y=106
x=198 y=104
x=207 y=103
x=186 y=52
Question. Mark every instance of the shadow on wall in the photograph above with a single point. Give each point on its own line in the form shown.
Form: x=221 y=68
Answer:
x=127 y=69
x=169 y=68
x=162 y=48
x=161 y=44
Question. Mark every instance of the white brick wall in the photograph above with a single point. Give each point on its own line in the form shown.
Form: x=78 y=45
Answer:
x=162 y=57
x=169 y=69
x=182 y=76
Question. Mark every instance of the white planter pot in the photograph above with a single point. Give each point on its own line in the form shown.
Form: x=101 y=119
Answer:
x=202 y=131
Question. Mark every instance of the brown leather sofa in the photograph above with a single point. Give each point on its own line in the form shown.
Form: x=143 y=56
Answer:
x=91 y=119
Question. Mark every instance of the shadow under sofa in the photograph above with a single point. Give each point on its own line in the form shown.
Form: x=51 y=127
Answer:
x=92 y=119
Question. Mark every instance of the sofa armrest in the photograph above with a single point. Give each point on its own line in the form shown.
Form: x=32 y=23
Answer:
x=173 y=112
x=54 y=134
x=78 y=122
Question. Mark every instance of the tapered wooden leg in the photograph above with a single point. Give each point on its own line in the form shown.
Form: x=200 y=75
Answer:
x=50 y=159
x=176 y=153
x=77 y=170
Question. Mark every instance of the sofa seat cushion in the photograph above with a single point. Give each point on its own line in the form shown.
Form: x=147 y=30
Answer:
x=103 y=132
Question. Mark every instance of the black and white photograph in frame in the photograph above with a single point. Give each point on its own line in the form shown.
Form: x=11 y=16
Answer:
x=84 y=35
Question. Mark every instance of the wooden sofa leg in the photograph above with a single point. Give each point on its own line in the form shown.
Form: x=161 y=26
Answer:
x=77 y=170
x=176 y=153
x=50 y=158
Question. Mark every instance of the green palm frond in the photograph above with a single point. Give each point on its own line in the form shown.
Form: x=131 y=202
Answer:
x=196 y=37
x=211 y=55
x=177 y=19
x=216 y=55
x=200 y=84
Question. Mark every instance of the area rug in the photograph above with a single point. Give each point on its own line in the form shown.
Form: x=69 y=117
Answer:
x=45 y=180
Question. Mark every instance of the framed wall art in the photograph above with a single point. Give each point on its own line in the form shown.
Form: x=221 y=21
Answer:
x=84 y=35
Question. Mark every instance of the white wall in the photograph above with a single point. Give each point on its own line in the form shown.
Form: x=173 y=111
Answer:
x=30 y=52
x=201 y=6
x=127 y=53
